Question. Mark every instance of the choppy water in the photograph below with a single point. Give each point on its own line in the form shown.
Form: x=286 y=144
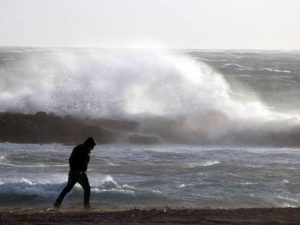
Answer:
x=128 y=176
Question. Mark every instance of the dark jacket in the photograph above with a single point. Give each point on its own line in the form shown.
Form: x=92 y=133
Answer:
x=80 y=158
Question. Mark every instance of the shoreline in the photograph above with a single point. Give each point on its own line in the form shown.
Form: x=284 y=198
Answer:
x=239 y=216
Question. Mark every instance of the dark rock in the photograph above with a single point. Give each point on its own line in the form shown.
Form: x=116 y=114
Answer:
x=119 y=125
x=141 y=139
x=44 y=128
x=41 y=114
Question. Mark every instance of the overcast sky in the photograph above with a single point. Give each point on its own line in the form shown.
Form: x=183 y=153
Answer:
x=205 y=24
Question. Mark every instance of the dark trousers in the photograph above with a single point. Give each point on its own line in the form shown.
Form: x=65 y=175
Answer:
x=75 y=177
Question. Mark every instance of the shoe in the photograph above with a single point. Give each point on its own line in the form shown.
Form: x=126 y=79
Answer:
x=87 y=207
x=56 y=205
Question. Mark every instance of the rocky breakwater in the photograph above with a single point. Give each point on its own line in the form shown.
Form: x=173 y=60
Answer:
x=50 y=128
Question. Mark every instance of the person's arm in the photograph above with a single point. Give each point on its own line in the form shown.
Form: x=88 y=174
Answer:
x=75 y=159
x=86 y=162
x=72 y=156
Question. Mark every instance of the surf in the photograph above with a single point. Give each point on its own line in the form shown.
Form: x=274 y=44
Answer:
x=170 y=94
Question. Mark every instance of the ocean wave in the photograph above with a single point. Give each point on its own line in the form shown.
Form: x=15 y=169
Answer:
x=27 y=188
x=239 y=75
x=286 y=201
x=110 y=183
x=2 y=157
x=185 y=185
x=211 y=60
x=285 y=181
x=27 y=192
x=157 y=83
x=248 y=183
x=110 y=163
x=32 y=165
x=236 y=66
x=202 y=164
x=277 y=70
x=171 y=96
x=113 y=190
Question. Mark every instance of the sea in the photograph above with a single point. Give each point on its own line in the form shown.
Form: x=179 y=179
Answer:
x=234 y=140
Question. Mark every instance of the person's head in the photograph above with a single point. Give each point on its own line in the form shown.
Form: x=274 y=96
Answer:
x=90 y=143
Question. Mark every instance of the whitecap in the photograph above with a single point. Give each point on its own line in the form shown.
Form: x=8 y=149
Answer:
x=237 y=66
x=287 y=205
x=114 y=190
x=2 y=157
x=202 y=164
x=247 y=183
x=156 y=191
x=37 y=165
x=288 y=199
x=128 y=187
x=277 y=70
x=285 y=181
x=210 y=163
x=27 y=189
x=185 y=185
x=110 y=183
x=26 y=181
x=210 y=60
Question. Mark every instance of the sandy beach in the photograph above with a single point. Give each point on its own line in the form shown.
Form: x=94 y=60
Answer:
x=169 y=216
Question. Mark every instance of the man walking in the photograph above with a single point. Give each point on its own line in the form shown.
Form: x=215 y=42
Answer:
x=78 y=161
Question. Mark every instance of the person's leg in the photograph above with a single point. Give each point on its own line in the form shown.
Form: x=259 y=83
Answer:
x=67 y=189
x=84 y=182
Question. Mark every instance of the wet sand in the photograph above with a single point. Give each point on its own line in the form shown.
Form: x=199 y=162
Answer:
x=272 y=216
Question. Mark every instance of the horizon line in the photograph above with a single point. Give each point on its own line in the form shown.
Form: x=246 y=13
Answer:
x=146 y=48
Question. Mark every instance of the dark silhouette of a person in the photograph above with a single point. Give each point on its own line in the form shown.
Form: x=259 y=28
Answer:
x=78 y=162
